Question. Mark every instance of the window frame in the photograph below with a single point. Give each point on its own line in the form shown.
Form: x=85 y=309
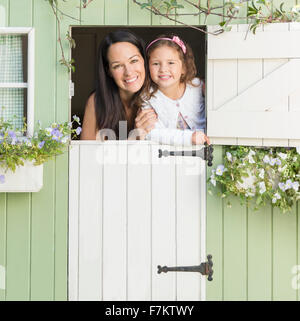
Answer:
x=29 y=85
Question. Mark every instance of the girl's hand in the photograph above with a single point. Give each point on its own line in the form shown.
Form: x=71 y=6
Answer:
x=145 y=121
x=199 y=138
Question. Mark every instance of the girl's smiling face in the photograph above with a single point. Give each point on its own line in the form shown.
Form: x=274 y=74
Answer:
x=166 y=69
x=126 y=66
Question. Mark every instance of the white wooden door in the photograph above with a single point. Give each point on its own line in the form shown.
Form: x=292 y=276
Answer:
x=253 y=87
x=129 y=212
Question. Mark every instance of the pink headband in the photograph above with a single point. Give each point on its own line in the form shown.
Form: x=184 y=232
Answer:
x=175 y=39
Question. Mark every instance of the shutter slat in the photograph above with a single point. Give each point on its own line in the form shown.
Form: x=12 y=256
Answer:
x=277 y=125
x=243 y=45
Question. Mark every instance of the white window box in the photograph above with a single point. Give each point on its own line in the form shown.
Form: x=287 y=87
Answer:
x=27 y=178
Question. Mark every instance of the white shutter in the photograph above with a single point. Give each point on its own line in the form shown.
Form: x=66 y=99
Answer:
x=253 y=85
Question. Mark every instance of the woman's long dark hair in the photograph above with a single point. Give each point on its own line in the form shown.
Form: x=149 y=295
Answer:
x=108 y=104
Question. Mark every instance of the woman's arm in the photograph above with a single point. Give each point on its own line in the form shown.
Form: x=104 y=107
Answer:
x=145 y=121
x=89 y=127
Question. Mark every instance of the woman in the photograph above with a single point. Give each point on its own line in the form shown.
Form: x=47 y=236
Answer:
x=121 y=75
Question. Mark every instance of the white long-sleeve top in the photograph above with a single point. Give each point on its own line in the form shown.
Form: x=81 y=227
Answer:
x=192 y=108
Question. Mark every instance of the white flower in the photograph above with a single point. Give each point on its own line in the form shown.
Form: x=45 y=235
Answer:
x=64 y=139
x=229 y=156
x=251 y=160
x=272 y=161
x=77 y=119
x=296 y=8
x=48 y=131
x=249 y=193
x=294 y=159
x=278 y=161
x=298 y=149
x=266 y=159
x=213 y=181
x=281 y=169
x=251 y=153
x=295 y=186
x=220 y=170
x=277 y=195
x=262 y=173
x=281 y=186
x=262 y=187
x=288 y=184
x=282 y=156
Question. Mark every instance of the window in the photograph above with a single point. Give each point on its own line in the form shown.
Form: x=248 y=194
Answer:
x=90 y=37
x=17 y=76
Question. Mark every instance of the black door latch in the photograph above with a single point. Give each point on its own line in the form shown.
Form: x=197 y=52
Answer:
x=206 y=153
x=204 y=268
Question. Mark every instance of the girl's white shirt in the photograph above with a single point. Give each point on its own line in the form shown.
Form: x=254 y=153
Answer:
x=192 y=108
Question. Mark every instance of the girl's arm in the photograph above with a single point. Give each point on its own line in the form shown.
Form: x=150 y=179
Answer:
x=173 y=136
x=89 y=126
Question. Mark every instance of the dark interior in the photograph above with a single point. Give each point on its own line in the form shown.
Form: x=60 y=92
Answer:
x=85 y=54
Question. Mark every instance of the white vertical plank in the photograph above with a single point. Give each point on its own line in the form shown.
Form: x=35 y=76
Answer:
x=139 y=222
x=225 y=82
x=210 y=85
x=188 y=205
x=202 y=196
x=115 y=222
x=294 y=98
x=90 y=223
x=270 y=65
x=163 y=225
x=73 y=222
x=249 y=72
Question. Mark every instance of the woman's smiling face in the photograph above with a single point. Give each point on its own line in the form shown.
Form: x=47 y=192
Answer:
x=126 y=66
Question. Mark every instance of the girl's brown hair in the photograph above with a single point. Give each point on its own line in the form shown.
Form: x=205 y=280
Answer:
x=187 y=59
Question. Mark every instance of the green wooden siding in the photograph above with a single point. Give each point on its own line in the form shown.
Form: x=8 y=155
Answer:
x=253 y=252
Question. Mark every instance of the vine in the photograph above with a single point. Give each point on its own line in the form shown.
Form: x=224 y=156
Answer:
x=256 y=13
x=265 y=175
x=59 y=14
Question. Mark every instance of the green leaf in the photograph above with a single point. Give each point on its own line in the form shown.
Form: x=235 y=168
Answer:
x=259 y=200
x=144 y=5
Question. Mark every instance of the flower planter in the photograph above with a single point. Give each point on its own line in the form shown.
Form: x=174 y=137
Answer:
x=27 y=178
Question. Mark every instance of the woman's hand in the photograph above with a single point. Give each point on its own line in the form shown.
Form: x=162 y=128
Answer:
x=145 y=121
x=199 y=138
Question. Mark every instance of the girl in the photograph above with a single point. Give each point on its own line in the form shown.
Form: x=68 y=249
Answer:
x=174 y=93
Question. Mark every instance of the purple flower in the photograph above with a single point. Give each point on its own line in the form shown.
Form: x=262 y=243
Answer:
x=41 y=144
x=78 y=130
x=12 y=134
x=56 y=134
x=2 y=179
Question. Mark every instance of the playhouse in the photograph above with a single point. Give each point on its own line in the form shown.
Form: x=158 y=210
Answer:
x=110 y=212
